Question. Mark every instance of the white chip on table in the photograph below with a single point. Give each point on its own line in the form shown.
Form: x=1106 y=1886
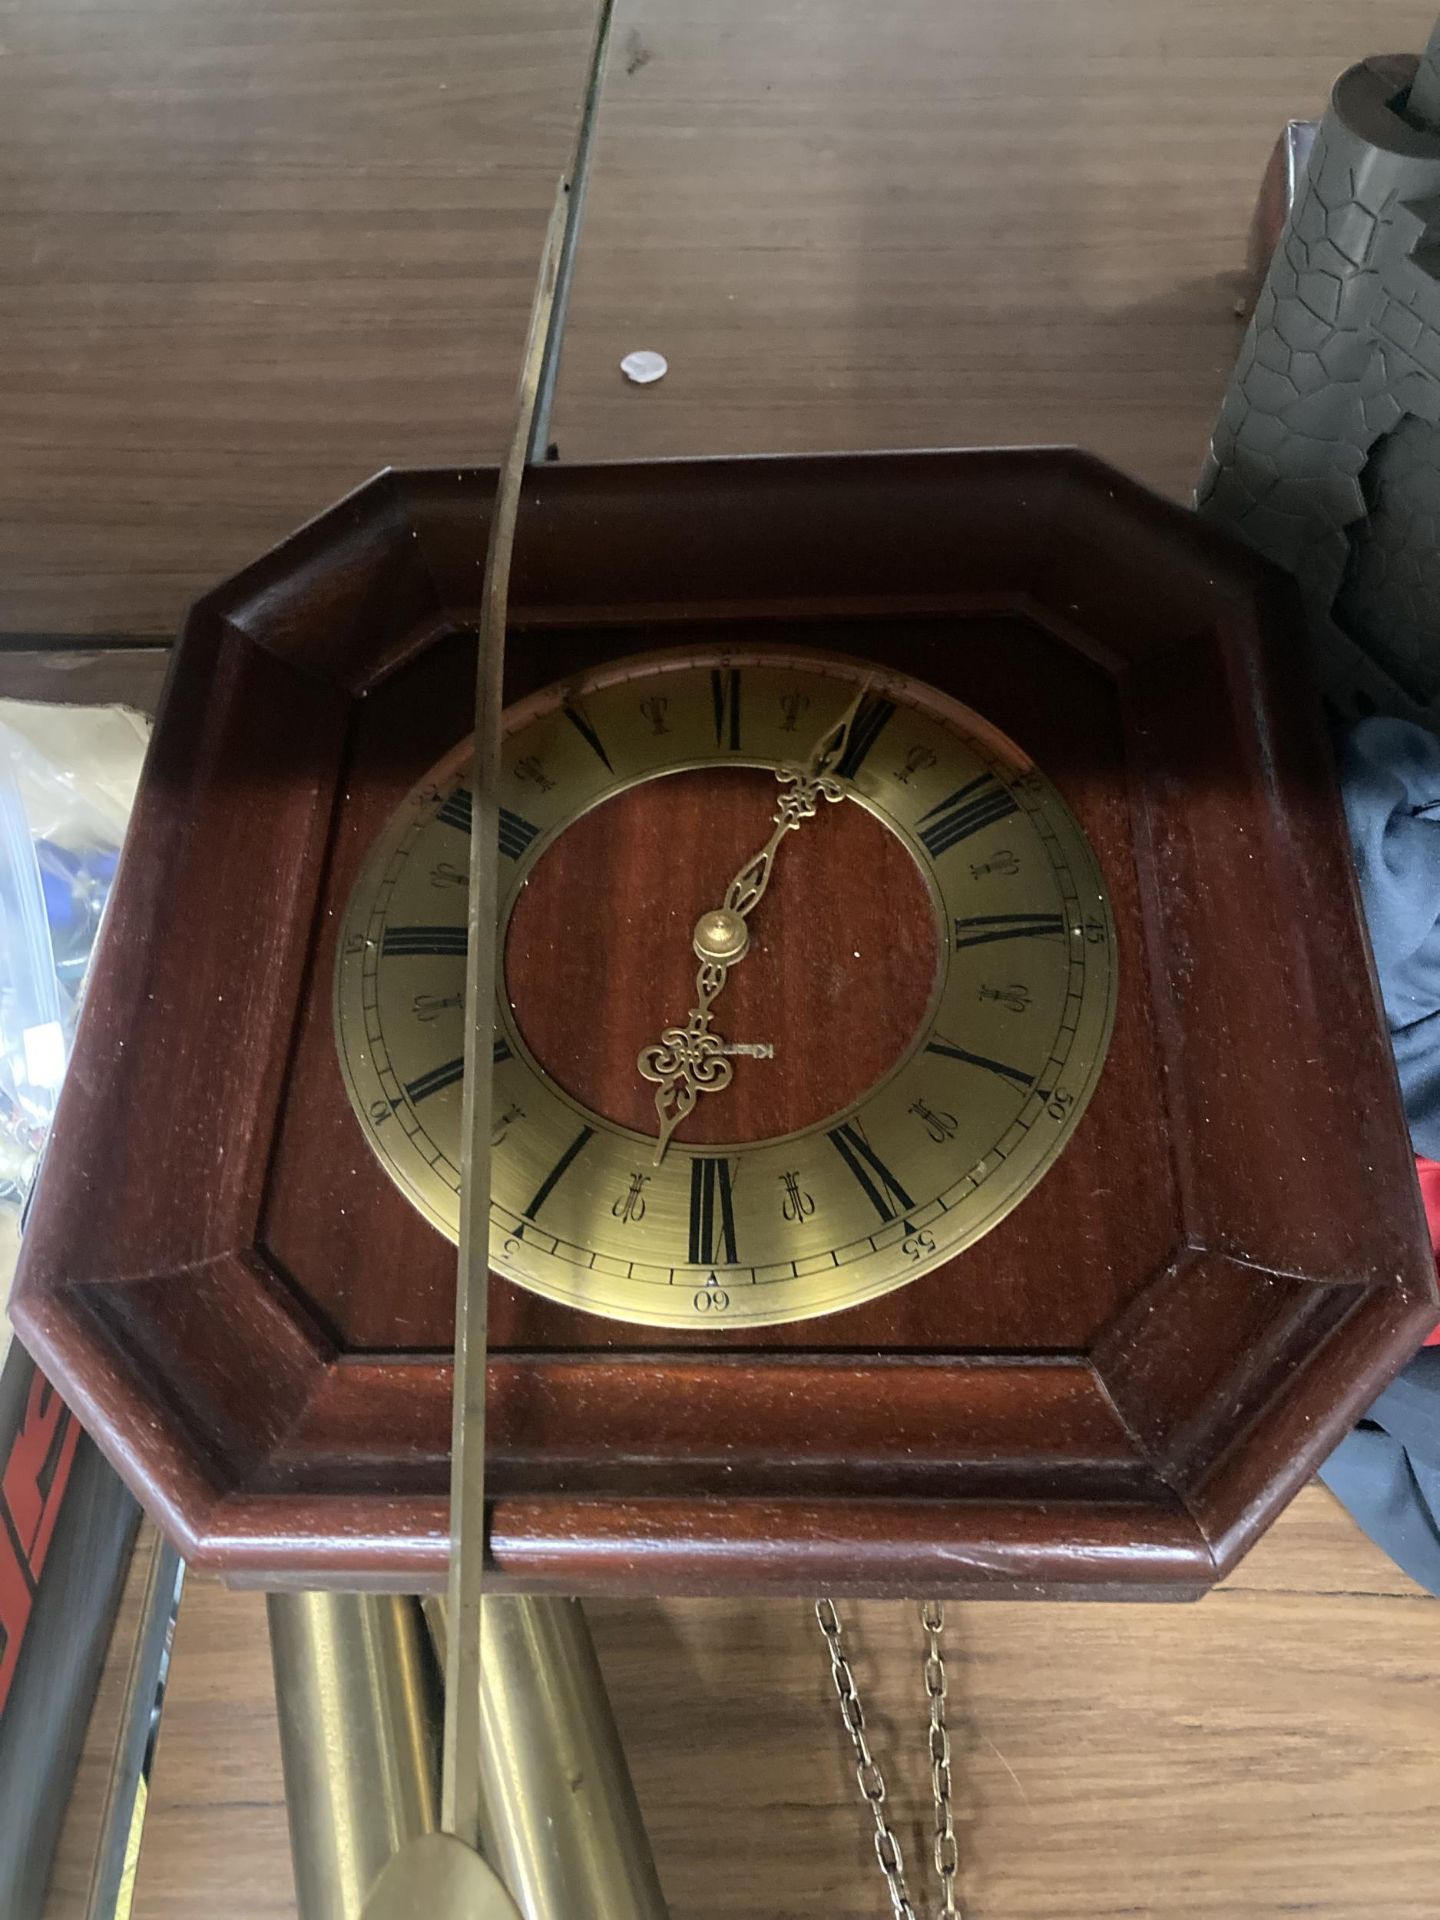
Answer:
x=643 y=366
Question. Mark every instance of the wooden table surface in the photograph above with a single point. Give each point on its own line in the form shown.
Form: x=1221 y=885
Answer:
x=952 y=222
x=250 y=253
x=1269 y=1752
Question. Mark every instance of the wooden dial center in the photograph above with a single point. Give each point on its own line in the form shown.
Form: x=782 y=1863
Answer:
x=842 y=957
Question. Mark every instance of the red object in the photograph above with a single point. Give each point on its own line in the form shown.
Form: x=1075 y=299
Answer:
x=32 y=1486
x=1429 y=1172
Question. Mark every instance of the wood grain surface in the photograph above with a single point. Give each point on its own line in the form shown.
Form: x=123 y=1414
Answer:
x=994 y=222
x=249 y=254
x=874 y=951
x=1270 y=1752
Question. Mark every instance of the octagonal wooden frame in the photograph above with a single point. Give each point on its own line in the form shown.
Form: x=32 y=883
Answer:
x=1298 y=1279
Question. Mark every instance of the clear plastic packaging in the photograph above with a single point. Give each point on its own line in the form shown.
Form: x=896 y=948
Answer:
x=65 y=778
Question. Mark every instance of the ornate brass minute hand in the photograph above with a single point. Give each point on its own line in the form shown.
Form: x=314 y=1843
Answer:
x=691 y=1060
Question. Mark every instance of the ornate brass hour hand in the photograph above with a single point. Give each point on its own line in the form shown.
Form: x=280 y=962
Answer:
x=692 y=1059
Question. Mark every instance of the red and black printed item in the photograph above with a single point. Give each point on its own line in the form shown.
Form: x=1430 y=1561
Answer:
x=66 y=1529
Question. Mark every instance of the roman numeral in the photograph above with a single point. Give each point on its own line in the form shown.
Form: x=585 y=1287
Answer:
x=431 y=940
x=436 y=1080
x=877 y=1183
x=869 y=723
x=457 y=810
x=981 y=928
x=712 y=1214
x=948 y=1051
x=588 y=734
x=515 y=834
x=444 y=1076
x=557 y=1173
x=725 y=694
x=979 y=804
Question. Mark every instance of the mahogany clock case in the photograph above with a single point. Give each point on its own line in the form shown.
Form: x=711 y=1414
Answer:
x=1110 y=1394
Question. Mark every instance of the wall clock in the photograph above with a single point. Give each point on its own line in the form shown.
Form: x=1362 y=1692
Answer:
x=1055 y=1212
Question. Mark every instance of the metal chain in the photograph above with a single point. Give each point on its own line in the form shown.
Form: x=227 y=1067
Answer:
x=871 y=1781
x=947 y=1854
x=868 y=1776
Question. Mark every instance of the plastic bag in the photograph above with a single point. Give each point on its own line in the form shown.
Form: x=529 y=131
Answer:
x=66 y=778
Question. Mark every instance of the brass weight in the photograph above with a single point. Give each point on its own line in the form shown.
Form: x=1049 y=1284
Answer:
x=358 y=1692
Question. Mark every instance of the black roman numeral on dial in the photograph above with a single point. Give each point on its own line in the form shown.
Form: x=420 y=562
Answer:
x=725 y=697
x=978 y=804
x=427 y=940
x=436 y=1080
x=444 y=1076
x=712 y=1214
x=587 y=733
x=457 y=810
x=949 y=1051
x=870 y=722
x=981 y=928
x=877 y=1183
x=515 y=834
x=557 y=1173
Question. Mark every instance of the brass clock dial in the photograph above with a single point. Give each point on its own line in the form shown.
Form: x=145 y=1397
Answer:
x=1010 y=1020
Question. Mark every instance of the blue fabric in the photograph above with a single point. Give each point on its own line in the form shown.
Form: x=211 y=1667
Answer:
x=1390 y=784
x=1387 y=1472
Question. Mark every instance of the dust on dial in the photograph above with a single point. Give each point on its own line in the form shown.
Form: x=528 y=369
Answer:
x=931 y=975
